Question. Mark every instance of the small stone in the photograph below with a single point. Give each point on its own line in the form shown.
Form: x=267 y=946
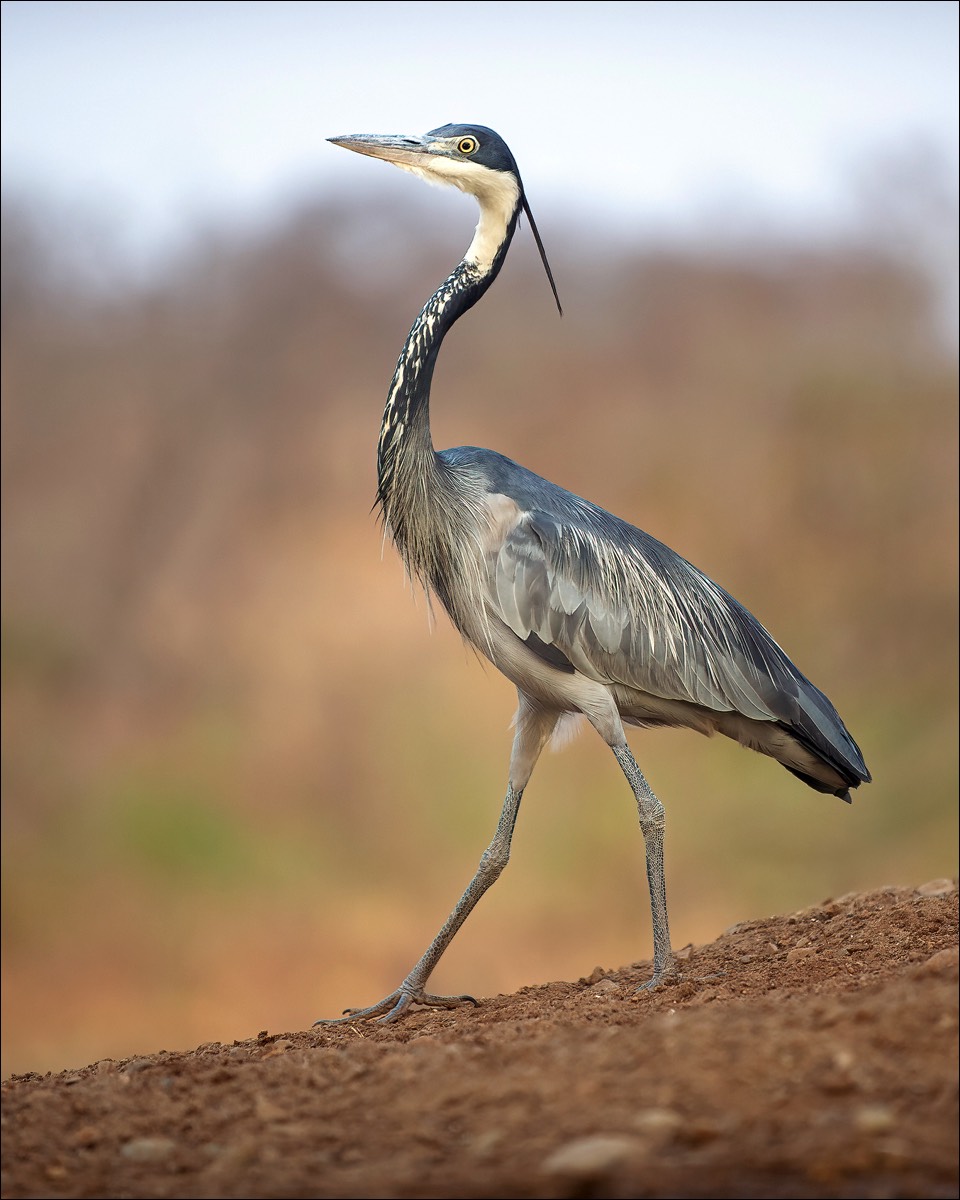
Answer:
x=800 y=952
x=843 y=1058
x=940 y=963
x=937 y=887
x=684 y=953
x=590 y=1157
x=605 y=987
x=148 y=1149
x=281 y=1046
x=874 y=1118
x=660 y=1122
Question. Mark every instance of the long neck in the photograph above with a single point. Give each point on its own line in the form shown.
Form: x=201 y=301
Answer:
x=408 y=473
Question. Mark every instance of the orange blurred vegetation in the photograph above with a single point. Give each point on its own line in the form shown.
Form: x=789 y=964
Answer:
x=244 y=781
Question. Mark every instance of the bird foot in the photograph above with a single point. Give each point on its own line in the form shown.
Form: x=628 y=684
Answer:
x=671 y=976
x=387 y=1010
x=664 y=976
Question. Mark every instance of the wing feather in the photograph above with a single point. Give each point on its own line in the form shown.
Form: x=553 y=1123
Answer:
x=589 y=592
x=623 y=608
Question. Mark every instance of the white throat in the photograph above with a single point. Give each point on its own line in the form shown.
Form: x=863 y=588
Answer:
x=497 y=193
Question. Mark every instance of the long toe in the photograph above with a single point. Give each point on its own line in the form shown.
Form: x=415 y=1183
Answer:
x=395 y=1005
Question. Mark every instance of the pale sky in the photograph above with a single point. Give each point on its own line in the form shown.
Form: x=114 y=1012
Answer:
x=164 y=114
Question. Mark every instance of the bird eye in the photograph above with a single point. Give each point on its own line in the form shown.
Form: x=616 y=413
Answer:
x=468 y=145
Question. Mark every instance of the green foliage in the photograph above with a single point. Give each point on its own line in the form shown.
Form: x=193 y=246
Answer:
x=165 y=827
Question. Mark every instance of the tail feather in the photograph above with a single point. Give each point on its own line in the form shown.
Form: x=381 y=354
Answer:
x=827 y=740
x=819 y=786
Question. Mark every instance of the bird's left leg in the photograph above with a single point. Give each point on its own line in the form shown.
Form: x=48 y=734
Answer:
x=534 y=727
x=651 y=824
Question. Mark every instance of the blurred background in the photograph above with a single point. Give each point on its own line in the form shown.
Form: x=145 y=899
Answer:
x=245 y=776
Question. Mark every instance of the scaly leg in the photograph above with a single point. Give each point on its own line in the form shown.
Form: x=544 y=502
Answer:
x=651 y=824
x=534 y=727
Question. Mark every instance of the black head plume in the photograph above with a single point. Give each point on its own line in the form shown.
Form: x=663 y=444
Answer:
x=543 y=253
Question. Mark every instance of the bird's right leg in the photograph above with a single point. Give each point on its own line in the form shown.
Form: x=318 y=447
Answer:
x=534 y=727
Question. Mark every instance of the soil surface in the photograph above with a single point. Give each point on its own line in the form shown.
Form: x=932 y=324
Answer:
x=813 y=1054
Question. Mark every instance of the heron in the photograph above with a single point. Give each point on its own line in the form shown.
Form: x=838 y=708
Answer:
x=588 y=616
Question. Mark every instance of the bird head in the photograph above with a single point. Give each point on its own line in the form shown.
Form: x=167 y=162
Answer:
x=472 y=158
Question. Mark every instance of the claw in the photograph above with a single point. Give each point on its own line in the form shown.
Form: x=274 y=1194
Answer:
x=387 y=1010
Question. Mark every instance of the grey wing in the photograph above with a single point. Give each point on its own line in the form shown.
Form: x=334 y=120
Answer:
x=588 y=592
x=622 y=608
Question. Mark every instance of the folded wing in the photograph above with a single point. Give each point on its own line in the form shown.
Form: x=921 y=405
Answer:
x=622 y=608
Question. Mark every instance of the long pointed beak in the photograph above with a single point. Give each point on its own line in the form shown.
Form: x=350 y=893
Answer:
x=427 y=158
x=393 y=147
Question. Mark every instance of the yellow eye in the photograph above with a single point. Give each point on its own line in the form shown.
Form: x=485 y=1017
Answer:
x=468 y=145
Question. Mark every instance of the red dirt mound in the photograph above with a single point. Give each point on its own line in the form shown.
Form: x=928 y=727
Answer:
x=812 y=1054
